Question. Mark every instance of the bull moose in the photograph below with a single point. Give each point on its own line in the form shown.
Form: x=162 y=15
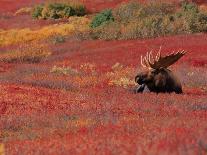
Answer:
x=157 y=77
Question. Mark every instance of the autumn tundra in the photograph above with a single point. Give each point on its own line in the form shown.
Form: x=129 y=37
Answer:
x=67 y=75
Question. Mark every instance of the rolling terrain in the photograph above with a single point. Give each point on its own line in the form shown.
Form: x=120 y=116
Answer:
x=79 y=99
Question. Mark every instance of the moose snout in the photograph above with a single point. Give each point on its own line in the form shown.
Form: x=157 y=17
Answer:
x=138 y=80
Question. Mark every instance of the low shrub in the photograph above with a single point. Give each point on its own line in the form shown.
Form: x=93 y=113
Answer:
x=64 y=70
x=56 y=39
x=58 y=10
x=195 y=19
x=155 y=8
x=135 y=20
x=107 y=31
x=30 y=53
x=17 y=36
x=189 y=7
x=102 y=18
x=125 y=12
x=37 y=11
x=121 y=76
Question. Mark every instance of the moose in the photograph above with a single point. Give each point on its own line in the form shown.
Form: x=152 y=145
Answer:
x=157 y=77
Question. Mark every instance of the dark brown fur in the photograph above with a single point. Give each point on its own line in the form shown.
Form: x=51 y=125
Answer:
x=158 y=80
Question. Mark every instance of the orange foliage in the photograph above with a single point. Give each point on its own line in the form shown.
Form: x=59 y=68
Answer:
x=30 y=52
x=14 y=36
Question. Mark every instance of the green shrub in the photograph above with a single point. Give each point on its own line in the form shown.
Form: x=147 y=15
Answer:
x=134 y=20
x=107 y=31
x=127 y=12
x=189 y=7
x=196 y=20
x=135 y=11
x=37 y=11
x=101 y=18
x=80 y=10
x=58 y=10
x=155 y=8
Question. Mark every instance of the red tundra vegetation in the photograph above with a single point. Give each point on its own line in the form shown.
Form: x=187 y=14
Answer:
x=80 y=100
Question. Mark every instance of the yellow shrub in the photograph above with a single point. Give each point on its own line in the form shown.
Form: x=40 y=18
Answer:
x=32 y=52
x=45 y=12
x=86 y=81
x=15 y=36
x=81 y=122
x=121 y=76
x=88 y=68
x=64 y=70
x=122 y=82
x=2 y=149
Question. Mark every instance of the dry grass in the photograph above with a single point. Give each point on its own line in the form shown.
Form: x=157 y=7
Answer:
x=2 y=149
x=15 y=36
x=32 y=52
x=121 y=76
x=63 y=70
x=25 y=10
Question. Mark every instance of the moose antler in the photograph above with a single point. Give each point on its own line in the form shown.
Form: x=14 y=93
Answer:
x=159 y=61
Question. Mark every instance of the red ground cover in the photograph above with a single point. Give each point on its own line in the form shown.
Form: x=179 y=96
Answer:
x=95 y=117
x=12 y=6
x=106 y=53
x=105 y=119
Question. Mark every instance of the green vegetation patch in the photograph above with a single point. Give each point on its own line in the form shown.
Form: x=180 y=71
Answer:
x=135 y=20
x=58 y=10
x=101 y=18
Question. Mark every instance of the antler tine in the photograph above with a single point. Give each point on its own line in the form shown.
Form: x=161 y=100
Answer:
x=146 y=60
x=148 y=56
x=161 y=62
x=183 y=52
x=151 y=57
x=172 y=53
x=142 y=62
x=158 y=56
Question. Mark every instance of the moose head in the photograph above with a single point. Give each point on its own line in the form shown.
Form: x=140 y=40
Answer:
x=156 y=77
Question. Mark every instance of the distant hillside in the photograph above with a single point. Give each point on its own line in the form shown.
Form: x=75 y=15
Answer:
x=92 y=5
